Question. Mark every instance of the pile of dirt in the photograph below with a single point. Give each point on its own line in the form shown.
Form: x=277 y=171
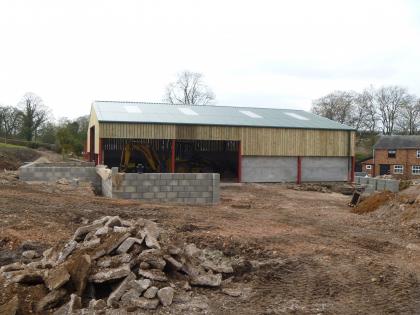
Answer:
x=373 y=202
x=12 y=157
x=112 y=265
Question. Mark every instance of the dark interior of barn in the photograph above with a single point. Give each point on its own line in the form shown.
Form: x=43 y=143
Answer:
x=162 y=155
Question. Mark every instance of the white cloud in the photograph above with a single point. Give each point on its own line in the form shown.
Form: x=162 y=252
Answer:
x=252 y=53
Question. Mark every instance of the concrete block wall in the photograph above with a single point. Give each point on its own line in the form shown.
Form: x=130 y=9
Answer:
x=265 y=169
x=378 y=184
x=268 y=169
x=189 y=188
x=325 y=169
x=51 y=172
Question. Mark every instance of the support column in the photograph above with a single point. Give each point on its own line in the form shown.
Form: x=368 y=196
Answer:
x=239 y=162
x=299 y=170
x=352 y=167
x=173 y=156
x=101 y=153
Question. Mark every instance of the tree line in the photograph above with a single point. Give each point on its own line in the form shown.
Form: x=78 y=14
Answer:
x=31 y=121
x=386 y=110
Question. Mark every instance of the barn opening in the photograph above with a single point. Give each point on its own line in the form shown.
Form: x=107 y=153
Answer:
x=179 y=156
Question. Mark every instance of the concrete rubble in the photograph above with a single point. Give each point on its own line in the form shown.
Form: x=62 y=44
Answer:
x=112 y=265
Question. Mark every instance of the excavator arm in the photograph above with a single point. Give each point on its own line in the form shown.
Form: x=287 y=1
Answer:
x=148 y=153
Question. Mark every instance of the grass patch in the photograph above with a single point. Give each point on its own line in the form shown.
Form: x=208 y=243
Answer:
x=8 y=145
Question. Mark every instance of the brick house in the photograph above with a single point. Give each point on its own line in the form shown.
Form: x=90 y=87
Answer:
x=398 y=156
x=367 y=166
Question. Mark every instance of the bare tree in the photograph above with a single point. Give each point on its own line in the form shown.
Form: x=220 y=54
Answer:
x=10 y=119
x=338 y=106
x=367 y=111
x=390 y=100
x=34 y=114
x=189 y=89
x=409 y=118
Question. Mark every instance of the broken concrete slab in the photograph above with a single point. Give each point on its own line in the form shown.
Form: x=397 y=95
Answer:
x=50 y=300
x=210 y=280
x=12 y=267
x=232 y=292
x=120 y=290
x=30 y=254
x=79 y=269
x=173 y=250
x=102 y=220
x=91 y=243
x=68 y=249
x=152 y=229
x=173 y=262
x=117 y=243
x=113 y=221
x=56 y=277
x=151 y=242
x=147 y=304
x=72 y=307
x=122 y=229
x=102 y=231
x=153 y=257
x=166 y=295
x=113 y=261
x=150 y=293
x=128 y=296
x=127 y=243
x=95 y=307
x=140 y=285
x=191 y=250
x=153 y=274
x=83 y=230
x=110 y=274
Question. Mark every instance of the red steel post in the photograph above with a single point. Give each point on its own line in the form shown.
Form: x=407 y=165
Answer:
x=239 y=162
x=173 y=156
x=299 y=170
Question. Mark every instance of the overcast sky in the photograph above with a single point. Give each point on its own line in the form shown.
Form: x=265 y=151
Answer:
x=252 y=53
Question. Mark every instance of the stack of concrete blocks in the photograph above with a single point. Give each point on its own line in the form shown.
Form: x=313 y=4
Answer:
x=378 y=184
x=188 y=188
x=51 y=172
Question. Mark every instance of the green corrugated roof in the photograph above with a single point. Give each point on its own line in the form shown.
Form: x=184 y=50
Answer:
x=141 y=112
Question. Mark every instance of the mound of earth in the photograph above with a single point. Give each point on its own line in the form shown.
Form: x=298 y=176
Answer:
x=373 y=202
x=12 y=157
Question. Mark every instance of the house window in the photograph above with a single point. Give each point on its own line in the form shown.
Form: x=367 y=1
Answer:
x=418 y=154
x=368 y=167
x=392 y=153
x=398 y=169
x=415 y=169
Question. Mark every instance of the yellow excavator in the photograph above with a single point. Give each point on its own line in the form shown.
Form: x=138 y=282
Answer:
x=150 y=156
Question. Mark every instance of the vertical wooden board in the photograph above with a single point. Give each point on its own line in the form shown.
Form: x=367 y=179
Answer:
x=255 y=141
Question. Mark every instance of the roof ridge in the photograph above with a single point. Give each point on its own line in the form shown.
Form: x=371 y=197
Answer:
x=197 y=105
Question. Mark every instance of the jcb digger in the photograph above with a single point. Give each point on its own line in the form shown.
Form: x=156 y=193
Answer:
x=149 y=156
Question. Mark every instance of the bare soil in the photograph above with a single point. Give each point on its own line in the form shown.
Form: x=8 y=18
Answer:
x=307 y=253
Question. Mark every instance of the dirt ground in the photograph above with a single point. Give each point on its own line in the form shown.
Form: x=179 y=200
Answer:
x=307 y=253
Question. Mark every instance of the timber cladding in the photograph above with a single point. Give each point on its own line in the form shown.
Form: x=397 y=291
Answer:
x=255 y=140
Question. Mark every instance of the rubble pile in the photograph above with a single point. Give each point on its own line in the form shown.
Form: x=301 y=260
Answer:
x=310 y=187
x=115 y=264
